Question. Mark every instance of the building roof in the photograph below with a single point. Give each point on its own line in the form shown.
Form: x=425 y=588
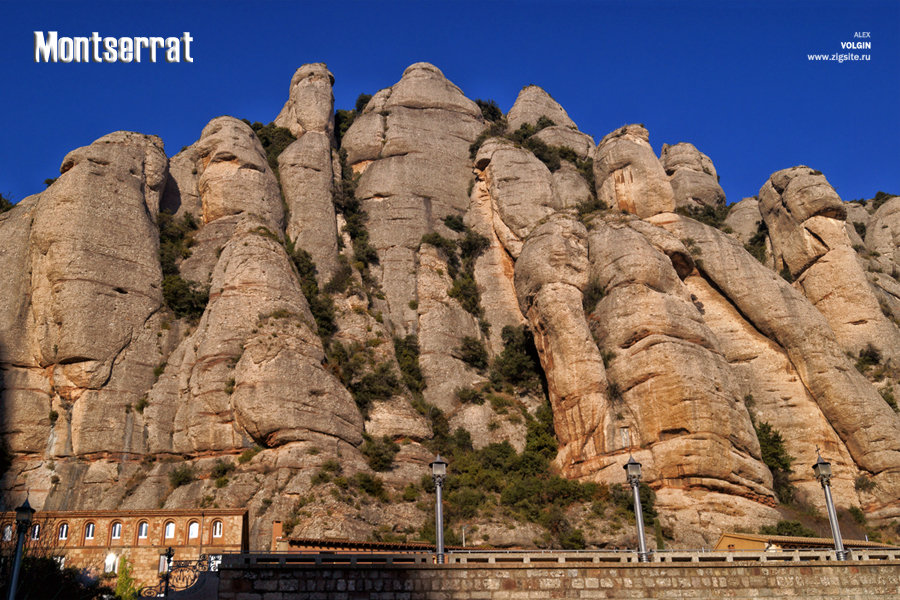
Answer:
x=791 y=541
x=343 y=544
x=176 y=512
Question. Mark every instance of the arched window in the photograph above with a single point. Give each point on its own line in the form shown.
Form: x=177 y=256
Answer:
x=170 y=530
x=89 y=531
x=143 y=529
x=110 y=565
x=7 y=533
x=217 y=529
x=193 y=530
x=36 y=531
x=64 y=531
x=116 y=531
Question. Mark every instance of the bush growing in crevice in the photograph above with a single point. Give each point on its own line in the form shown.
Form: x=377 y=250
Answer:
x=175 y=240
x=868 y=357
x=708 y=215
x=858 y=515
x=187 y=299
x=863 y=484
x=274 y=140
x=588 y=207
x=454 y=223
x=248 y=454
x=593 y=293
x=522 y=483
x=518 y=364
x=775 y=456
x=346 y=203
x=447 y=247
x=879 y=199
x=5 y=204
x=343 y=119
x=614 y=393
x=346 y=362
x=461 y=267
x=495 y=129
x=465 y=290
x=888 y=394
x=293 y=518
x=380 y=384
x=472 y=352
x=220 y=472
x=607 y=356
x=551 y=156
x=757 y=244
x=320 y=305
x=181 y=475
x=469 y=396
x=406 y=350
x=341 y=279
x=379 y=453
x=790 y=528
x=371 y=485
x=489 y=110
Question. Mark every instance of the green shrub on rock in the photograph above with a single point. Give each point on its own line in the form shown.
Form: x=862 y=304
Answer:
x=379 y=453
x=5 y=204
x=274 y=140
x=775 y=456
x=791 y=528
x=472 y=352
x=517 y=364
x=406 y=350
x=181 y=475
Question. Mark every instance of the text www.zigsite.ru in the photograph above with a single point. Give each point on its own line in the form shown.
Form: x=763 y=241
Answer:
x=838 y=57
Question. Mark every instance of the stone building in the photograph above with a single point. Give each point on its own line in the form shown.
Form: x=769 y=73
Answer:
x=97 y=540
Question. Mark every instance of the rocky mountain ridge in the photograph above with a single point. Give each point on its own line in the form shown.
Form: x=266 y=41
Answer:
x=295 y=317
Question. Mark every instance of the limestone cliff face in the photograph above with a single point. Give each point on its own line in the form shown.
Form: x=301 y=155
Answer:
x=657 y=336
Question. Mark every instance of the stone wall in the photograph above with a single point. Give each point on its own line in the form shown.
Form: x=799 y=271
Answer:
x=286 y=578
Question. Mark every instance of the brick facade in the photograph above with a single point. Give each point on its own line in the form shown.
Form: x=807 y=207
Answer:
x=96 y=540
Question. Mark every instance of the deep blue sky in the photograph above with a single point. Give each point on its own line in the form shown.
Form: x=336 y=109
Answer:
x=731 y=77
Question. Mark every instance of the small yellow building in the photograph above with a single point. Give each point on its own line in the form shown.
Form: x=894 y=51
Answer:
x=760 y=542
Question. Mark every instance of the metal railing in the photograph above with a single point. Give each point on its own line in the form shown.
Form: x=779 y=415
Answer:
x=537 y=558
x=594 y=557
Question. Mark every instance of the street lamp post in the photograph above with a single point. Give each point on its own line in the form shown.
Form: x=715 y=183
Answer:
x=24 y=515
x=169 y=554
x=633 y=473
x=822 y=469
x=438 y=473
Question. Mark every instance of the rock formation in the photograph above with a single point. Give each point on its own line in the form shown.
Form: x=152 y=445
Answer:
x=365 y=294
x=628 y=174
x=692 y=175
x=805 y=218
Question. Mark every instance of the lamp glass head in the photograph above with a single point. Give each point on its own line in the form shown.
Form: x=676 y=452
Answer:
x=439 y=466
x=822 y=468
x=24 y=513
x=632 y=468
